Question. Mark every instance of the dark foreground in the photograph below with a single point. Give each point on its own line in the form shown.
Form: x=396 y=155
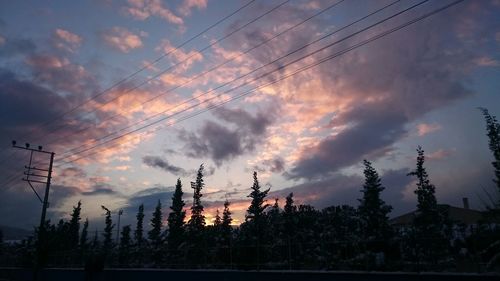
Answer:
x=17 y=274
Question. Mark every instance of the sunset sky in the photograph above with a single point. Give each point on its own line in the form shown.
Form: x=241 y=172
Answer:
x=277 y=87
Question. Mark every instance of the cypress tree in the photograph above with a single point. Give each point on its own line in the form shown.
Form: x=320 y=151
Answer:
x=108 y=230
x=176 y=218
x=83 y=236
x=256 y=209
x=372 y=209
x=226 y=218
x=139 y=229
x=125 y=243
x=74 y=225
x=156 y=224
x=197 y=221
x=217 y=220
x=493 y=133
x=427 y=213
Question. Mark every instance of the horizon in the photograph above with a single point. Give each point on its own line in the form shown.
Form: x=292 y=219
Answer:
x=308 y=110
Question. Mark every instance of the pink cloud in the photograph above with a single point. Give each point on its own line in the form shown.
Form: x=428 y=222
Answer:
x=186 y=6
x=122 y=39
x=424 y=129
x=143 y=9
x=440 y=154
x=66 y=40
x=486 y=61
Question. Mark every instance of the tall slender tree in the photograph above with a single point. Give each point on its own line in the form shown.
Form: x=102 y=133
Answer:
x=154 y=234
x=226 y=218
x=139 y=229
x=176 y=219
x=373 y=211
x=74 y=225
x=197 y=221
x=108 y=230
x=493 y=133
x=256 y=209
x=427 y=212
x=84 y=235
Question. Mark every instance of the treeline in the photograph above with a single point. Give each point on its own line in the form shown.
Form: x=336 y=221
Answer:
x=293 y=237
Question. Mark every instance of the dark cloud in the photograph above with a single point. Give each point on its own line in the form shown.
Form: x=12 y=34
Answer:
x=100 y=189
x=417 y=77
x=158 y=162
x=373 y=133
x=222 y=143
x=13 y=47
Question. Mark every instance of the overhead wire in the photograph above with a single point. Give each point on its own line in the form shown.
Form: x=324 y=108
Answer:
x=179 y=63
x=360 y=44
x=121 y=81
x=198 y=76
x=268 y=73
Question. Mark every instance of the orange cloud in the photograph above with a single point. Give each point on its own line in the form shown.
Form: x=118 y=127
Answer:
x=121 y=39
x=424 y=129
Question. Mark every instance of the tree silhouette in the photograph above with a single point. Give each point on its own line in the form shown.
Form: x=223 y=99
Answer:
x=139 y=229
x=125 y=244
x=154 y=234
x=83 y=236
x=108 y=230
x=493 y=133
x=196 y=224
x=197 y=220
x=255 y=211
x=74 y=225
x=428 y=221
x=372 y=209
x=176 y=219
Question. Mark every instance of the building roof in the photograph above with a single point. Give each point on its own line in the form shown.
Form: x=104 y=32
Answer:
x=455 y=214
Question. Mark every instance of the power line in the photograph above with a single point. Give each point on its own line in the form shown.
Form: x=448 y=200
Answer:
x=146 y=66
x=200 y=75
x=275 y=70
x=265 y=65
x=180 y=62
x=360 y=44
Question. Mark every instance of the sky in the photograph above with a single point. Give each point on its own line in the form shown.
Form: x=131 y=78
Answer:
x=132 y=95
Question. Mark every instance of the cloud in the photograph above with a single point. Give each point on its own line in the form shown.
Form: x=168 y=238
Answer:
x=486 y=61
x=440 y=154
x=66 y=40
x=187 y=5
x=374 y=131
x=121 y=39
x=222 y=143
x=339 y=189
x=16 y=46
x=424 y=129
x=100 y=189
x=163 y=164
x=143 y=9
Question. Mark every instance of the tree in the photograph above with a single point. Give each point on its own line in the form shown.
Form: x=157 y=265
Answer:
x=226 y=219
x=197 y=221
x=427 y=212
x=372 y=209
x=256 y=209
x=125 y=243
x=74 y=225
x=493 y=133
x=176 y=218
x=108 y=230
x=139 y=229
x=83 y=236
x=217 y=220
x=196 y=224
x=430 y=243
x=156 y=224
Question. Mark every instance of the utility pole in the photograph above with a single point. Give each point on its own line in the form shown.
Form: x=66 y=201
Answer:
x=31 y=171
